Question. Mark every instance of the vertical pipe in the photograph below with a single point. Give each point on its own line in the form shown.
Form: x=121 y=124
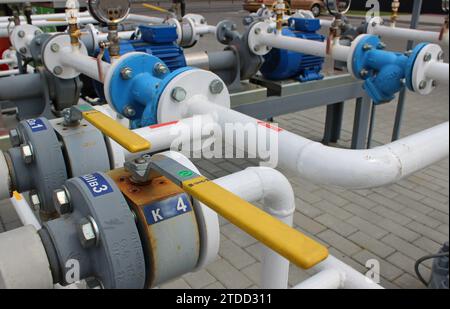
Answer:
x=402 y=96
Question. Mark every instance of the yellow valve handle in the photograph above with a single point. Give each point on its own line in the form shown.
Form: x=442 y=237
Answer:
x=288 y=242
x=155 y=8
x=111 y=128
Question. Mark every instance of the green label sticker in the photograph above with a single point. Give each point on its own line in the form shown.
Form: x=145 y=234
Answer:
x=185 y=173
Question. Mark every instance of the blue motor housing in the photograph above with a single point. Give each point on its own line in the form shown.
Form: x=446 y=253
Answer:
x=283 y=64
x=158 y=41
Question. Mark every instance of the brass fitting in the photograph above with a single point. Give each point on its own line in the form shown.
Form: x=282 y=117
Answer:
x=395 y=8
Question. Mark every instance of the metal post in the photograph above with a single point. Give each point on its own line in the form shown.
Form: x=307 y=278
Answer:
x=402 y=96
x=360 y=127
x=333 y=123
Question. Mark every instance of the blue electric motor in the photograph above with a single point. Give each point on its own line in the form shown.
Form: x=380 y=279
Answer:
x=158 y=41
x=283 y=64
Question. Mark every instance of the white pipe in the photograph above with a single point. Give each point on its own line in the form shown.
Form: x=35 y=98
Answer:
x=9 y=72
x=84 y=64
x=275 y=191
x=326 y=23
x=408 y=34
x=43 y=16
x=50 y=23
x=309 y=47
x=5 y=178
x=144 y=19
x=352 y=169
x=205 y=29
x=437 y=71
x=326 y=279
x=24 y=211
x=6 y=61
x=163 y=136
x=123 y=35
x=351 y=279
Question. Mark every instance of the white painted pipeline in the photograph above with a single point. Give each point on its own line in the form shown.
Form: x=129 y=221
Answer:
x=351 y=169
x=163 y=136
x=437 y=71
x=44 y=16
x=274 y=190
x=9 y=72
x=50 y=23
x=309 y=47
x=144 y=19
x=84 y=64
x=123 y=35
x=24 y=211
x=205 y=29
x=409 y=34
x=351 y=278
x=326 y=23
x=328 y=279
x=7 y=61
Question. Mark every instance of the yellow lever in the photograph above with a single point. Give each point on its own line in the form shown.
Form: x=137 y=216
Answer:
x=155 y=8
x=111 y=128
x=288 y=242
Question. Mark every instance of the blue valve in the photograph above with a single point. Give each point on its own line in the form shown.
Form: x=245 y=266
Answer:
x=136 y=86
x=384 y=73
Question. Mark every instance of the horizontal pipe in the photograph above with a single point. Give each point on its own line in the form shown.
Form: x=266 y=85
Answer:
x=326 y=280
x=309 y=47
x=7 y=61
x=9 y=72
x=409 y=34
x=43 y=16
x=84 y=64
x=351 y=169
x=438 y=71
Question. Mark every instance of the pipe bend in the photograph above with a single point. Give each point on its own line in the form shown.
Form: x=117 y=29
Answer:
x=384 y=165
x=278 y=195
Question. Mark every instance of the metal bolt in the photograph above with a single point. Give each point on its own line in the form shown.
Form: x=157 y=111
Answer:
x=179 y=94
x=257 y=31
x=434 y=84
x=363 y=73
x=423 y=84
x=21 y=34
x=216 y=86
x=427 y=57
x=160 y=68
x=381 y=45
x=126 y=73
x=441 y=56
x=129 y=111
x=14 y=137
x=408 y=53
x=256 y=48
x=140 y=160
x=58 y=70
x=35 y=201
x=23 y=50
x=367 y=47
x=37 y=32
x=54 y=48
x=61 y=199
x=27 y=153
x=270 y=30
x=88 y=232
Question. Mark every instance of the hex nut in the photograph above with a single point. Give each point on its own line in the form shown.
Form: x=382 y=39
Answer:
x=179 y=94
x=35 y=201
x=27 y=153
x=88 y=232
x=62 y=201
x=14 y=137
x=216 y=86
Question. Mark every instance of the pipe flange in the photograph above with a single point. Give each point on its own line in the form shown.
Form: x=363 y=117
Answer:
x=223 y=28
x=55 y=49
x=101 y=228
x=354 y=49
x=196 y=85
x=22 y=36
x=174 y=21
x=253 y=42
x=47 y=169
x=419 y=81
x=374 y=23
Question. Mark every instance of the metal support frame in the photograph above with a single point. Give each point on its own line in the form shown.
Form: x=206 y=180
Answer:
x=333 y=123
x=417 y=8
x=290 y=97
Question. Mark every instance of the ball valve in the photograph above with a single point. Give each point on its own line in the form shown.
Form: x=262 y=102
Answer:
x=160 y=204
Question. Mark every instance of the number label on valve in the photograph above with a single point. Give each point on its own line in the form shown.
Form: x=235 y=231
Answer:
x=167 y=209
x=97 y=184
x=36 y=125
